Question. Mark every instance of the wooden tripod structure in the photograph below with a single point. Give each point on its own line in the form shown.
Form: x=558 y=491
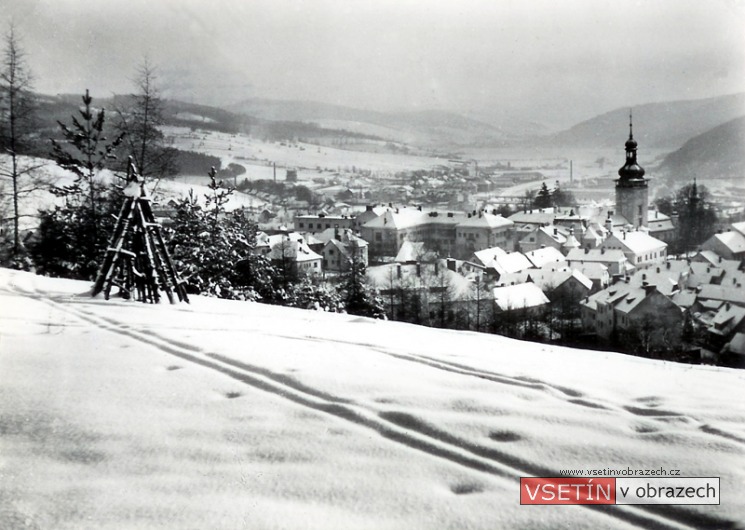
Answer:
x=137 y=260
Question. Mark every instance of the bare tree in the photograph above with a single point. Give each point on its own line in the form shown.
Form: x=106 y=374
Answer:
x=140 y=120
x=16 y=122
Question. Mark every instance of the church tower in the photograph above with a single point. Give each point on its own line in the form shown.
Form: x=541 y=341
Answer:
x=632 y=192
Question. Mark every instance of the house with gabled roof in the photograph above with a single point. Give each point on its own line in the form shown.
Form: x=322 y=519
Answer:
x=724 y=323
x=661 y=226
x=556 y=283
x=730 y=244
x=518 y=297
x=624 y=307
x=597 y=273
x=639 y=247
x=292 y=254
x=544 y=236
x=507 y=264
x=614 y=259
x=486 y=256
x=339 y=251
x=546 y=256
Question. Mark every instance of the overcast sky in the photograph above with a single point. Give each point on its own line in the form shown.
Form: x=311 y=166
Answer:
x=560 y=60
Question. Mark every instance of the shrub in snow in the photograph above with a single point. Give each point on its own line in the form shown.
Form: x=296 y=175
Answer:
x=213 y=250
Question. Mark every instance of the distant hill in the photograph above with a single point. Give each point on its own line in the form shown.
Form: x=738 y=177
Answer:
x=717 y=153
x=427 y=127
x=62 y=106
x=658 y=125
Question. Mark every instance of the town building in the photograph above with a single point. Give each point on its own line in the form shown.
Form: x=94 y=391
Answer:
x=291 y=254
x=523 y=296
x=481 y=230
x=624 y=308
x=341 y=249
x=546 y=256
x=640 y=249
x=322 y=221
x=730 y=244
x=613 y=259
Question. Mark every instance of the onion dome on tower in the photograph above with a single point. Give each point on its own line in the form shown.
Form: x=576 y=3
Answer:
x=631 y=170
x=632 y=193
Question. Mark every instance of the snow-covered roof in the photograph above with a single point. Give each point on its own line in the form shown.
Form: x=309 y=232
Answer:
x=292 y=247
x=592 y=270
x=544 y=256
x=410 y=251
x=537 y=216
x=342 y=234
x=485 y=220
x=512 y=262
x=636 y=241
x=599 y=255
x=728 y=316
x=519 y=296
x=487 y=255
x=546 y=279
x=402 y=218
x=624 y=297
x=726 y=292
x=734 y=241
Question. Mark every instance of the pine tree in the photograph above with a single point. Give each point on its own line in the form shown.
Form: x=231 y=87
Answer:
x=359 y=298
x=72 y=238
x=85 y=153
x=543 y=198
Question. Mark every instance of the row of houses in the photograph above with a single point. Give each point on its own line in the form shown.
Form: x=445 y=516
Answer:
x=460 y=234
x=331 y=250
x=704 y=292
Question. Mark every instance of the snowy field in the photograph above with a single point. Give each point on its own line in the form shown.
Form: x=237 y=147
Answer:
x=232 y=415
x=240 y=149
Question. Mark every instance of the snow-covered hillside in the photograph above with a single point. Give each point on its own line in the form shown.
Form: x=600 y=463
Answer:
x=221 y=414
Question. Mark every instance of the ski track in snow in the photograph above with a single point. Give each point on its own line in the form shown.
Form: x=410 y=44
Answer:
x=404 y=428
